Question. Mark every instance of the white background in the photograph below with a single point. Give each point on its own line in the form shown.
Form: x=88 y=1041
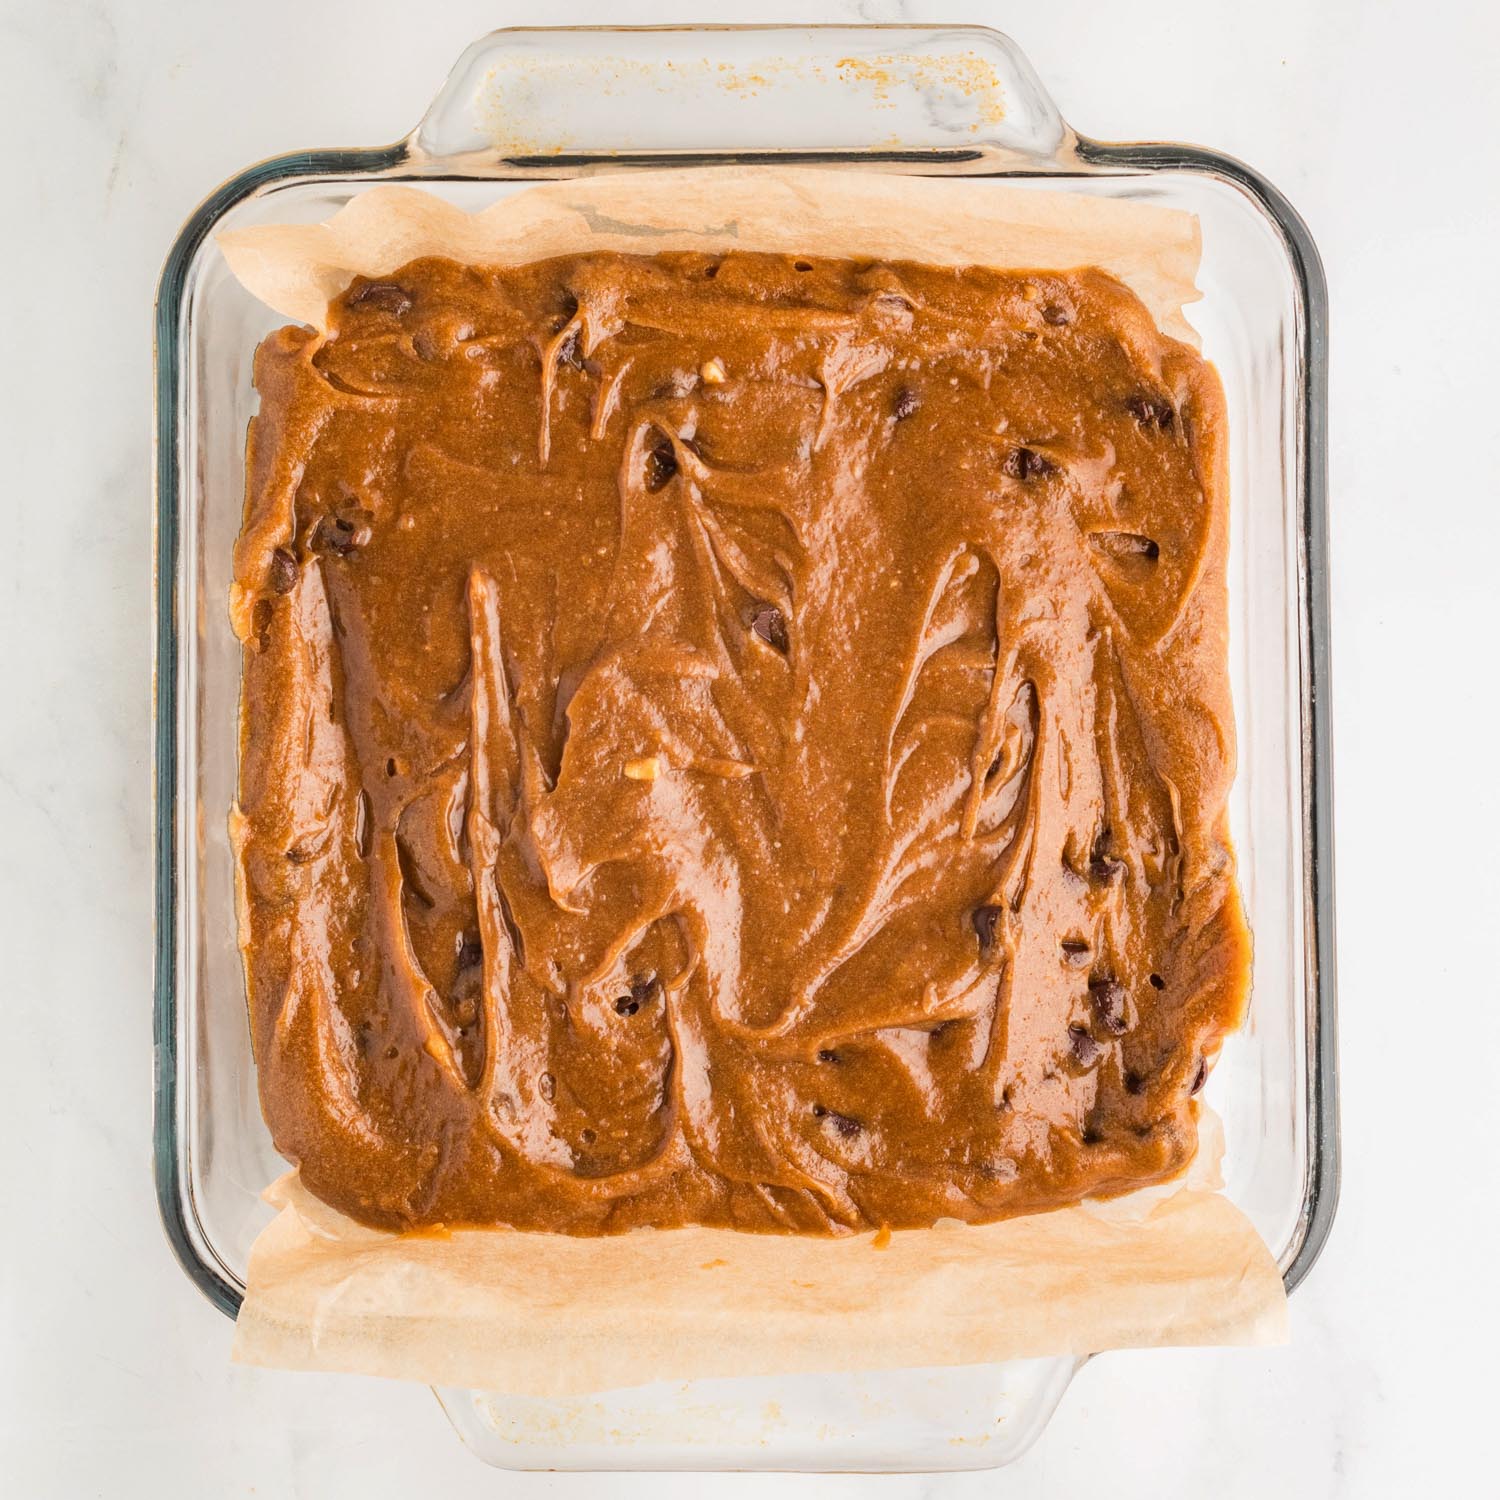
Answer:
x=1377 y=120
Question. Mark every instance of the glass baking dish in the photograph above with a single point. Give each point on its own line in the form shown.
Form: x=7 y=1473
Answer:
x=962 y=102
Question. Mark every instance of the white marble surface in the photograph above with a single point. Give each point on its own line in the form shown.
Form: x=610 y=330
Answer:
x=1377 y=121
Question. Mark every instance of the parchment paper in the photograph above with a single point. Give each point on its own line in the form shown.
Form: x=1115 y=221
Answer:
x=298 y=268
x=553 y=1315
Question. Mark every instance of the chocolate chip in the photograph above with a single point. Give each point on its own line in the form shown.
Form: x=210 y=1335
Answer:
x=1134 y=1083
x=841 y=1123
x=1084 y=1048
x=587 y=1136
x=1150 y=412
x=907 y=401
x=339 y=535
x=1108 y=999
x=1075 y=952
x=466 y=1010
x=802 y=265
x=392 y=1053
x=1001 y=1170
x=547 y=1087
x=769 y=624
x=1091 y=1135
x=661 y=465
x=827 y=1054
x=1056 y=315
x=1122 y=545
x=1200 y=1077
x=298 y=854
x=643 y=989
x=384 y=296
x=1026 y=463
x=283 y=574
x=1104 y=868
x=470 y=951
x=1157 y=982
x=984 y=920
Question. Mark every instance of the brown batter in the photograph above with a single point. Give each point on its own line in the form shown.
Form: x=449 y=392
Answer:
x=736 y=741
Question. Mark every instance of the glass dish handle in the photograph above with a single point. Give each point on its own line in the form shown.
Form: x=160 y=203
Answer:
x=527 y=97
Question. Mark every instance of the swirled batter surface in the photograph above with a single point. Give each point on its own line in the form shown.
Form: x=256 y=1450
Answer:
x=738 y=741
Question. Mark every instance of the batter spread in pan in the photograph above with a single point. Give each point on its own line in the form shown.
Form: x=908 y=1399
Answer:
x=734 y=740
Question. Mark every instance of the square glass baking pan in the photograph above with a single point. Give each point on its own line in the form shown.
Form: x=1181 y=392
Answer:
x=961 y=102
